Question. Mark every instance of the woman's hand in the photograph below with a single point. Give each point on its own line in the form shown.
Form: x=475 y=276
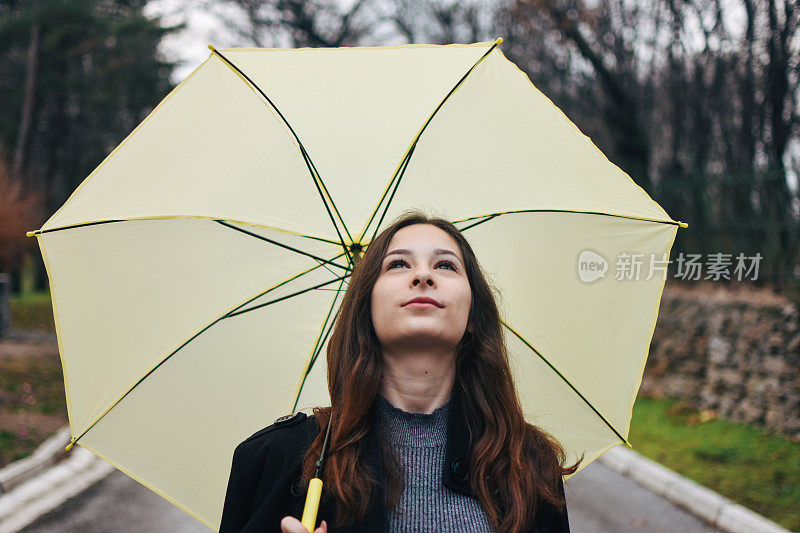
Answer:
x=290 y=524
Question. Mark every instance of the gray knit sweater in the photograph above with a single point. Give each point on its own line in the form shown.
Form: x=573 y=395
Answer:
x=426 y=504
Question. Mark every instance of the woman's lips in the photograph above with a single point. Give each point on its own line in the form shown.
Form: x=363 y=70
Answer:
x=423 y=301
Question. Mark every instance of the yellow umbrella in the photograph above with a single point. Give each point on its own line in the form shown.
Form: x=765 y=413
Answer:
x=196 y=273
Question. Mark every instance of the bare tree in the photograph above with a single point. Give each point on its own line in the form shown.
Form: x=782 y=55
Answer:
x=696 y=99
x=441 y=21
x=28 y=104
x=780 y=97
x=599 y=36
x=364 y=22
x=301 y=22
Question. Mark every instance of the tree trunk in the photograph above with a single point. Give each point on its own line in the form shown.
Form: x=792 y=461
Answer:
x=777 y=90
x=28 y=105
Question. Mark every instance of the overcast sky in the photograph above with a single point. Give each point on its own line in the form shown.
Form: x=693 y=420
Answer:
x=190 y=46
x=204 y=27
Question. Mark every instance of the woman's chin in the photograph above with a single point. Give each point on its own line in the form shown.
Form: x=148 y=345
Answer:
x=425 y=340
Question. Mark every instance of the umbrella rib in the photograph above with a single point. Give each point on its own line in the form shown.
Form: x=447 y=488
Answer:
x=405 y=166
x=329 y=270
x=397 y=175
x=307 y=158
x=571 y=386
x=317 y=181
x=328 y=194
x=190 y=339
x=330 y=329
x=282 y=298
x=286 y=246
x=478 y=223
x=630 y=217
x=97 y=222
x=322 y=337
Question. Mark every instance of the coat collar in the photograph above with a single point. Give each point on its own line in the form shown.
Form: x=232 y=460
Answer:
x=456 y=460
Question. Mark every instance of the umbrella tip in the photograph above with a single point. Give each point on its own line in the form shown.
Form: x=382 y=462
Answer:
x=69 y=446
x=499 y=40
x=211 y=47
x=30 y=234
x=683 y=224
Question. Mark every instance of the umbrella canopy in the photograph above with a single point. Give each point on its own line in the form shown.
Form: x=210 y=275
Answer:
x=196 y=273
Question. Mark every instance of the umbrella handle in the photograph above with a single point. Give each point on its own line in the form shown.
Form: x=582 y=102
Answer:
x=312 y=503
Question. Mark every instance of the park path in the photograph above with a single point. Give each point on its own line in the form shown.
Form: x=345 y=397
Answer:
x=598 y=500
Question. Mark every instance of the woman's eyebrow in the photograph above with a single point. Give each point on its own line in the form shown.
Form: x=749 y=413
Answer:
x=400 y=251
x=442 y=251
x=437 y=251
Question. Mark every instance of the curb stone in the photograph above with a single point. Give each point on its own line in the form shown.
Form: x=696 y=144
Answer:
x=45 y=455
x=45 y=492
x=717 y=510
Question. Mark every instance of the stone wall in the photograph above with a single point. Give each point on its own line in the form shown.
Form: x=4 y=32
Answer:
x=734 y=353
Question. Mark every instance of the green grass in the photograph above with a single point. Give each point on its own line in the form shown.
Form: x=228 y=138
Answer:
x=14 y=446
x=32 y=311
x=31 y=384
x=745 y=464
x=32 y=402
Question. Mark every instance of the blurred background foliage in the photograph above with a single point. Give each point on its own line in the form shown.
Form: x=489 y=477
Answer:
x=76 y=77
x=696 y=100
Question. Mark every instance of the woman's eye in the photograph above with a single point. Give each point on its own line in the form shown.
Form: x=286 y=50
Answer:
x=401 y=262
x=448 y=263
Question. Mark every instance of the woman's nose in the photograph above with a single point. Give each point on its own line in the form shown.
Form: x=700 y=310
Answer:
x=423 y=276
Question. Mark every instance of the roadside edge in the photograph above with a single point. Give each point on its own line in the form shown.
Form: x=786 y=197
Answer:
x=45 y=455
x=701 y=501
x=33 y=486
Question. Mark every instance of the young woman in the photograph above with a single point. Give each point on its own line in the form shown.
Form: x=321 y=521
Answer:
x=427 y=431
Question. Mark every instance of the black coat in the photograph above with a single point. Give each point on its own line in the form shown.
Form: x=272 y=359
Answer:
x=264 y=484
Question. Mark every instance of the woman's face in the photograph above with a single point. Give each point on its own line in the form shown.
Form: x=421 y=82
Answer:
x=422 y=261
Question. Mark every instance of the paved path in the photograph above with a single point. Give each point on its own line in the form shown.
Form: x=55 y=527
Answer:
x=601 y=500
x=598 y=499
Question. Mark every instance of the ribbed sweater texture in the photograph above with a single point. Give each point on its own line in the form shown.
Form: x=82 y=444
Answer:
x=426 y=504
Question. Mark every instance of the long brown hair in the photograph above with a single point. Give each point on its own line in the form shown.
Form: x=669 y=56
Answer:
x=512 y=466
